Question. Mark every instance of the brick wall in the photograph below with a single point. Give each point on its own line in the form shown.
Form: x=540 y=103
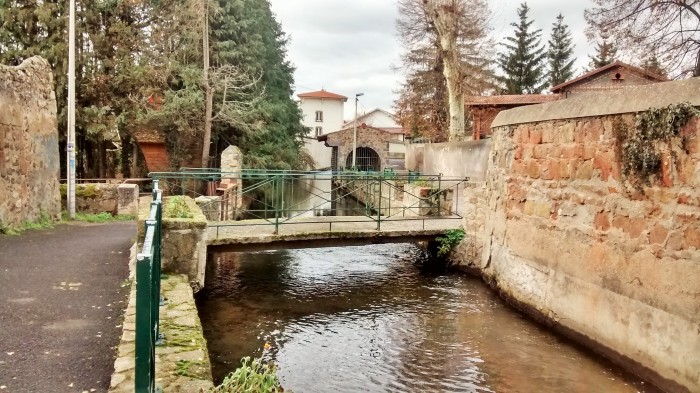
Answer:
x=564 y=238
x=29 y=158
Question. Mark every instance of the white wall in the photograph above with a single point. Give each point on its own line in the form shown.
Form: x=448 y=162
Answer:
x=332 y=114
x=319 y=152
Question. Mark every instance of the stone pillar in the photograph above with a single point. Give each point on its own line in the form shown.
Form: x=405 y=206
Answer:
x=128 y=199
x=230 y=187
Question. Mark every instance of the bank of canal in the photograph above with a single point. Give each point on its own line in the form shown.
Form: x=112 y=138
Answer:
x=366 y=319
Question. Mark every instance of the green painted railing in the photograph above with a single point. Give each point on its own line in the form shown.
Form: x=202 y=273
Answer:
x=148 y=297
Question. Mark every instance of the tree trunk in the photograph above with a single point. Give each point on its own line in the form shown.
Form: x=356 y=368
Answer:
x=443 y=14
x=208 y=95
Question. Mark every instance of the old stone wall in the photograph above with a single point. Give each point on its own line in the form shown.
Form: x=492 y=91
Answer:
x=366 y=137
x=452 y=159
x=29 y=158
x=565 y=239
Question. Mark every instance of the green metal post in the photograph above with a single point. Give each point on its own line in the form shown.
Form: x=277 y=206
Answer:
x=144 y=360
x=379 y=209
x=439 y=193
x=276 y=202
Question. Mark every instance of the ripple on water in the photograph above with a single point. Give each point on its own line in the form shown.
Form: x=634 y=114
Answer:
x=365 y=319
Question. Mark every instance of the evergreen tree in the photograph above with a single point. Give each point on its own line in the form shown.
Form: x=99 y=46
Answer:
x=522 y=63
x=107 y=40
x=246 y=34
x=653 y=65
x=560 y=53
x=605 y=52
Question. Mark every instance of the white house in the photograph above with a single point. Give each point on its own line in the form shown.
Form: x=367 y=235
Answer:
x=322 y=113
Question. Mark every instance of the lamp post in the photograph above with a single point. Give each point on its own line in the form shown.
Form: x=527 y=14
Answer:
x=70 y=142
x=354 y=132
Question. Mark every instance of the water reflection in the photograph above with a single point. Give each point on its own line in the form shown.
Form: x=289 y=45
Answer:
x=365 y=319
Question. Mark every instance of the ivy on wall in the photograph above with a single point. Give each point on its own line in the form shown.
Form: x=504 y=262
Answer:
x=639 y=149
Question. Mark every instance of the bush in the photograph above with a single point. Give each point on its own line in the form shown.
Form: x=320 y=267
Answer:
x=253 y=376
x=449 y=241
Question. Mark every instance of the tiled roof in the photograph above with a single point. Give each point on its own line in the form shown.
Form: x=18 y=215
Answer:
x=510 y=99
x=604 y=68
x=322 y=94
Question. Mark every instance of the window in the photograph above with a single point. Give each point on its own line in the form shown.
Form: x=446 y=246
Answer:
x=319 y=115
x=319 y=131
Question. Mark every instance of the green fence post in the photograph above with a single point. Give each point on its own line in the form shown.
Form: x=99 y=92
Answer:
x=276 y=202
x=439 y=193
x=144 y=352
x=379 y=208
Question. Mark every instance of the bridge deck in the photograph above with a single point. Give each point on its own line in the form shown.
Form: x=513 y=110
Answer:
x=324 y=231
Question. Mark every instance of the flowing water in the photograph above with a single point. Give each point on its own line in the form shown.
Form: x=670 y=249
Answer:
x=366 y=319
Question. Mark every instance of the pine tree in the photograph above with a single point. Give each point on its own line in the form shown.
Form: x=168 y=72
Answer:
x=560 y=53
x=605 y=52
x=246 y=34
x=653 y=65
x=522 y=63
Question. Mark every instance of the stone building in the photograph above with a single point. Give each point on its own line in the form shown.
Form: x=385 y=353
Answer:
x=374 y=147
x=613 y=76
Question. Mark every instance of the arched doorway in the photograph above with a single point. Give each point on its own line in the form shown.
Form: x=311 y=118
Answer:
x=367 y=160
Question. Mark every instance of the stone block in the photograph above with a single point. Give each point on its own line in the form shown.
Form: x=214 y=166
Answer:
x=128 y=199
x=211 y=206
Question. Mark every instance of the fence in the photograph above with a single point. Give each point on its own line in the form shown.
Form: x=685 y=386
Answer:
x=278 y=197
x=148 y=297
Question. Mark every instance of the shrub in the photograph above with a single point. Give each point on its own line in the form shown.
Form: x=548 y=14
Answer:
x=449 y=241
x=253 y=376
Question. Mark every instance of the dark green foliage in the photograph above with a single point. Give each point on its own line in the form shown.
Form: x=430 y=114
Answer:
x=561 y=50
x=639 y=148
x=449 y=241
x=523 y=62
x=246 y=34
x=605 y=53
x=140 y=67
x=107 y=42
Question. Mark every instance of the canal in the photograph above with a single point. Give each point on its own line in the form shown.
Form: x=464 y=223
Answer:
x=369 y=319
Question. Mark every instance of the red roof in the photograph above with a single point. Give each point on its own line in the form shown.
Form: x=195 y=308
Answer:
x=511 y=99
x=617 y=63
x=322 y=94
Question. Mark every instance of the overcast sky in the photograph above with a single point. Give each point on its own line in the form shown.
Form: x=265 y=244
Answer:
x=349 y=47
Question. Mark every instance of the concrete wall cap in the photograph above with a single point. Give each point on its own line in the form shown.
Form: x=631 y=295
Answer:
x=626 y=100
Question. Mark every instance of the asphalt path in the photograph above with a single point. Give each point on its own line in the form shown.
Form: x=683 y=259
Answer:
x=62 y=298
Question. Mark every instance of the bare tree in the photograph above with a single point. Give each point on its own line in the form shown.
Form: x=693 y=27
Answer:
x=447 y=37
x=667 y=27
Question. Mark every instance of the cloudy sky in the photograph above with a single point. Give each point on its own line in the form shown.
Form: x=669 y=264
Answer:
x=349 y=47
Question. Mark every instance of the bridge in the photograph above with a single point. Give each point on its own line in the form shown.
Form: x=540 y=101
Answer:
x=262 y=209
x=257 y=210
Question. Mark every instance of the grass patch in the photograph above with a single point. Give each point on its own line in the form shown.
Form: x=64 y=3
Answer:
x=44 y=222
x=98 y=217
x=177 y=207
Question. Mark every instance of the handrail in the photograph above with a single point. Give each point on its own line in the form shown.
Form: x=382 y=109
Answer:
x=148 y=297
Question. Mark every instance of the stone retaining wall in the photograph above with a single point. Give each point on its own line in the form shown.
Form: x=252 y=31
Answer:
x=182 y=362
x=563 y=238
x=29 y=158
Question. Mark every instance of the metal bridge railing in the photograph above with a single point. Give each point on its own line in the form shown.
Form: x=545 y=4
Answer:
x=148 y=297
x=274 y=197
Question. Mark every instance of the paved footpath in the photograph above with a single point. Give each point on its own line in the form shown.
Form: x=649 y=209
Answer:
x=61 y=306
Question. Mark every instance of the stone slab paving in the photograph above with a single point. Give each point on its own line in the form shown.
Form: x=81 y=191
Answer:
x=182 y=363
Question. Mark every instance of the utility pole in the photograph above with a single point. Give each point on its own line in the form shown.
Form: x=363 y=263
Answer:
x=354 y=132
x=70 y=143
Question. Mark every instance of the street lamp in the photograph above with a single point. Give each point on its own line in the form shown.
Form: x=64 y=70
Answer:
x=354 y=132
